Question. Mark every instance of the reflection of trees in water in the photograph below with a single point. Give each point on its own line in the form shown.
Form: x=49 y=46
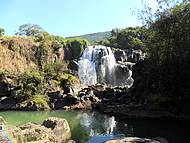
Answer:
x=95 y=123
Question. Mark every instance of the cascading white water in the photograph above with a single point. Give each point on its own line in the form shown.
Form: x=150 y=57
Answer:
x=98 y=65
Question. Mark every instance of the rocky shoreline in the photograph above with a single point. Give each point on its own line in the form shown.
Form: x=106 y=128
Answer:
x=57 y=130
x=117 y=100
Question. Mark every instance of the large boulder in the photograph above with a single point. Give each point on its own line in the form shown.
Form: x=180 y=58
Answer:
x=60 y=127
x=32 y=132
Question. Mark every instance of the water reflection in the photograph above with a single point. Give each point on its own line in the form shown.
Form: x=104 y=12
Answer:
x=96 y=124
x=86 y=125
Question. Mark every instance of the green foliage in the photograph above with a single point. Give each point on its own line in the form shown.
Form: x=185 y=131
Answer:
x=69 y=78
x=2 y=31
x=75 y=47
x=129 y=38
x=44 y=50
x=43 y=36
x=93 y=38
x=39 y=100
x=31 y=83
x=58 y=42
x=166 y=71
x=53 y=70
x=30 y=30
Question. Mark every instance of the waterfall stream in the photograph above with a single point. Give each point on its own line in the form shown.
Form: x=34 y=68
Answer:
x=98 y=65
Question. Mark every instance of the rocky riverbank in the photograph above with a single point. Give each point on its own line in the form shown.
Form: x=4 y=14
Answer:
x=117 y=100
x=57 y=130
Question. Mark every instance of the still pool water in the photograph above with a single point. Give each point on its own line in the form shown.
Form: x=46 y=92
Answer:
x=86 y=124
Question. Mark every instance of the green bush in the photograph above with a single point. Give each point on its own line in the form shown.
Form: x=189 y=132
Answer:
x=42 y=101
x=68 y=79
x=30 y=83
x=53 y=70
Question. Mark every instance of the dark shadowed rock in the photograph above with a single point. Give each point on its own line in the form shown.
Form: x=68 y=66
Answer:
x=120 y=55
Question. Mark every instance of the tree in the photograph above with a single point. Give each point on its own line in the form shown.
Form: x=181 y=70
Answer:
x=166 y=71
x=2 y=31
x=128 y=38
x=30 y=30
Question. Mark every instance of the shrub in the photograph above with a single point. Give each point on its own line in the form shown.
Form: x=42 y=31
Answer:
x=53 y=70
x=68 y=79
x=30 y=83
x=41 y=101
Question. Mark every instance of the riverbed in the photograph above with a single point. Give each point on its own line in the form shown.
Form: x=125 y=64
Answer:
x=85 y=124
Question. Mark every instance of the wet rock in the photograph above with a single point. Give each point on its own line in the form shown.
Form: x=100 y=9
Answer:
x=8 y=103
x=120 y=55
x=135 y=140
x=160 y=139
x=60 y=127
x=135 y=55
x=64 y=100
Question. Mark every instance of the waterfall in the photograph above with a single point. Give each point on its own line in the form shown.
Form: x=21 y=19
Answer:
x=110 y=124
x=98 y=65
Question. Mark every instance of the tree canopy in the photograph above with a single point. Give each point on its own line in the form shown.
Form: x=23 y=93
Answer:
x=30 y=30
x=128 y=38
x=165 y=73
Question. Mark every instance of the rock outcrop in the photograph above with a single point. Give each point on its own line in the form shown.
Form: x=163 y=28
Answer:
x=32 y=132
x=120 y=55
x=60 y=127
x=53 y=130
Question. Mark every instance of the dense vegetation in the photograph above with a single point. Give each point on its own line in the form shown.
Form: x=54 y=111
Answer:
x=93 y=38
x=34 y=64
x=128 y=38
x=164 y=78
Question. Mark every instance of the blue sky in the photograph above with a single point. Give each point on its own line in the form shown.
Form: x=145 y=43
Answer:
x=69 y=17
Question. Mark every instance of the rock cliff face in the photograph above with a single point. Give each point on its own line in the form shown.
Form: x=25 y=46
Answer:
x=18 y=54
